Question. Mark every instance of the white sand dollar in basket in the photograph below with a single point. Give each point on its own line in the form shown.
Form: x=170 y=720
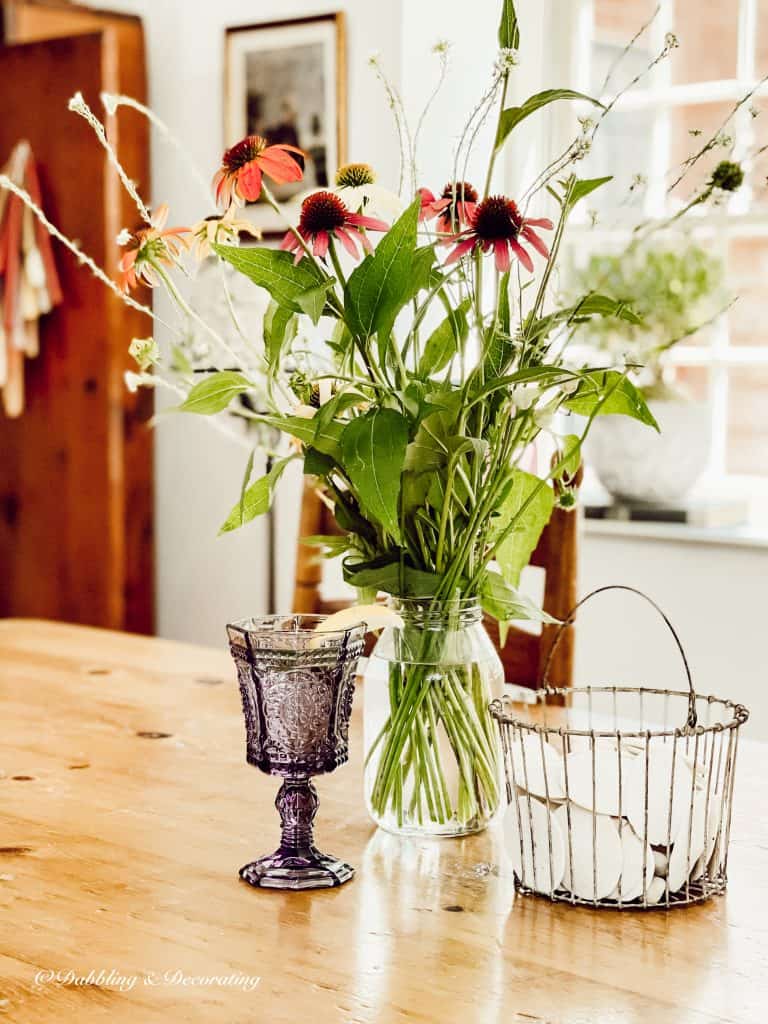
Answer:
x=619 y=797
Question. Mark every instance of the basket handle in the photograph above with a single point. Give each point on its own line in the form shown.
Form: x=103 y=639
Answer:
x=571 y=618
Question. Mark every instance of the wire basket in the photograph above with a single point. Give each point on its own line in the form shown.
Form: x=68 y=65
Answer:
x=612 y=802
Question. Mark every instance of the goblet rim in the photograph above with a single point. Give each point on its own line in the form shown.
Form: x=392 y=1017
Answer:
x=271 y=625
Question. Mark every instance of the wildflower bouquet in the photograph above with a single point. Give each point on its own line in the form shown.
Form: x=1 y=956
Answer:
x=412 y=355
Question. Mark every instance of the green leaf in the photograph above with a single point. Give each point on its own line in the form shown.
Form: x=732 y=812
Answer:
x=316 y=463
x=312 y=301
x=609 y=393
x=512 y=116
x=445 y=341
x=180 y=362
x=570 y=446
x=586 y=307
x=373 y=453
x=309 y=432
x=215 y=392
x=387 y=575
x=274 y=270
x=515 y=551
x=509 y=30
x=505 y=604
x=379 y=287
x=576 y=189
x=256 y=499
x=280 y=327
x=333 y=545
x=423 y=274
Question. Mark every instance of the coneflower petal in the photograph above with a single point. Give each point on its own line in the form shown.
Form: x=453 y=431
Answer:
x=320 y=247
x=537 y=243
x=522 y=255
x=461 y=249
x=347 y=241
x=501 y=250
x=371 y=223
x=279 y=166
x=541 y=222
x=249 y=182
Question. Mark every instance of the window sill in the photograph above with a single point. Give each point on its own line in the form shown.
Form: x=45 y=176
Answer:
x=751 y=535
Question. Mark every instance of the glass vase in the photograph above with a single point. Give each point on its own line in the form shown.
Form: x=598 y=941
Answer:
x=432 y=758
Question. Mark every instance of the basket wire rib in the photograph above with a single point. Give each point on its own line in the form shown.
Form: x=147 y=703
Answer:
x=696 y=814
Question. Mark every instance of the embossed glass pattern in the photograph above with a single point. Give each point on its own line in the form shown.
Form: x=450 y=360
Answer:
x=296 y=686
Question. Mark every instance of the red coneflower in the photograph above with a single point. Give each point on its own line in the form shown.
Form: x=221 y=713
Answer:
x=454 y=207
x=149 y=247
x=323 y=216
x=496 y=223
x=244 y=164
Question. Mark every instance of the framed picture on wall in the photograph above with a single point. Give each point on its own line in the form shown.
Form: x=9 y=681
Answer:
x=286 y=81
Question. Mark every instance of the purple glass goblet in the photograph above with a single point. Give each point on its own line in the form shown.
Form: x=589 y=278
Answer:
x=297 y=685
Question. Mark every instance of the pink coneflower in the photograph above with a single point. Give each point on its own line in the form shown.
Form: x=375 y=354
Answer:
x=323 y=216
x=244 y=164
x=149 y=247
x=496 y=223
x=454 y=207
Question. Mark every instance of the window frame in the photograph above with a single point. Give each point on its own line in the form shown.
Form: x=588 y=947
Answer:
x=734 y=220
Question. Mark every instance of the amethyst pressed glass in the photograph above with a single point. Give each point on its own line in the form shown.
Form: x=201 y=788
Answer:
x=296 y=685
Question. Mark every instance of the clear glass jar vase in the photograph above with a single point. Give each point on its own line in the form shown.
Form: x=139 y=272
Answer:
x=432 y=757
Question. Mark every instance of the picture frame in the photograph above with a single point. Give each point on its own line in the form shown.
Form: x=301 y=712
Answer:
x=287 y=81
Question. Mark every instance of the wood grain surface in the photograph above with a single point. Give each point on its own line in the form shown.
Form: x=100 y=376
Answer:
x=126 y=809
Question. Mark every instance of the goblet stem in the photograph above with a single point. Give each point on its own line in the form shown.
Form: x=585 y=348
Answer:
x=296 y=803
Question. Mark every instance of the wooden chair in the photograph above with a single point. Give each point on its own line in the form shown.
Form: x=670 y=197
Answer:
x=524 y=654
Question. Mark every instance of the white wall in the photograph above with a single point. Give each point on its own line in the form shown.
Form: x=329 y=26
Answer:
x=714 y=595
x=202 y=581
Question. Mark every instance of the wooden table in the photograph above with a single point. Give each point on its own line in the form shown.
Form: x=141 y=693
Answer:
x=126 y=808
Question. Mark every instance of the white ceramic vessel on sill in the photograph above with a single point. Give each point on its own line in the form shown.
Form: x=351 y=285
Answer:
x=635 y=463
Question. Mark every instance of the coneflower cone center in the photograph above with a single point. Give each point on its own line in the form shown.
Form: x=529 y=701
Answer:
x=497 y=219
x=243 y=152
x=355 y=175
x=322 y=212
x=460 y=191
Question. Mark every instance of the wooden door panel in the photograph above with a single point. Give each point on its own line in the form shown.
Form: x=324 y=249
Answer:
x=75 y=469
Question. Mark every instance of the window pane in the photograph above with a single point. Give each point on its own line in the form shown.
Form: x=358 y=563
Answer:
x=616 y=23
x=693 y=381
x=761 y=51
x=691 y=128
x=747 y=274
x=616 y=152
x=747 y=450
x=709 y=37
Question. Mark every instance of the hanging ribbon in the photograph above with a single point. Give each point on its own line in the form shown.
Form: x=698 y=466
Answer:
x=29 y=284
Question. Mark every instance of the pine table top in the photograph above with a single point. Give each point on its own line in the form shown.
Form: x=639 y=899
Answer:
x=126 y=809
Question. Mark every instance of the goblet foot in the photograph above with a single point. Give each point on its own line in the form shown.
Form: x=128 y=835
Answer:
x=307 y=869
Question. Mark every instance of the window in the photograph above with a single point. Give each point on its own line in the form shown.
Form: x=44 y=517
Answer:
x=723 y=54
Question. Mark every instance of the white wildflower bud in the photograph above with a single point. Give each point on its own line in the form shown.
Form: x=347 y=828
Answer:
x=441 y=47
x=144 y=351
x=124 y=237
x=134 y=381
x=506 y=59
x=77 y=104
x=671 y=41
x=110 y=102
x=543 y=417
x=374 y=59
x=306 y=412
x=523 y=396
x=570 y=387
